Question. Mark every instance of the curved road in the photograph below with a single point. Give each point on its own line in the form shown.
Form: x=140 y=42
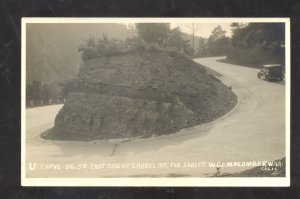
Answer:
x=253 y=131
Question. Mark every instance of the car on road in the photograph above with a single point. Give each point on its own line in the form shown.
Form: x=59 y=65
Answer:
x=271 y=72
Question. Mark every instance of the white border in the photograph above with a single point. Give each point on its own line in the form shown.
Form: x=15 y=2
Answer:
x=287 y=97
x=151 y=182
x=23 y=102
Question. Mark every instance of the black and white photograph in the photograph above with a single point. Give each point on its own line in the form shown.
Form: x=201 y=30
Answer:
x=155 y=102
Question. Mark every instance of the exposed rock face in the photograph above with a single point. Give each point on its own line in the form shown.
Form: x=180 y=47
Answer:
x=140 y=94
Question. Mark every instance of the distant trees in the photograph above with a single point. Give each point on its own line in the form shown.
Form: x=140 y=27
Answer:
x=34 y=90
x=257 y=43
x=251 y=44
x=193 y=28
x=162 y=35
x=154 y=32
x=256 y=34
x=202 y=50
x=177 y=41
x=216 y=45
x=217 y=34
x=37 y=91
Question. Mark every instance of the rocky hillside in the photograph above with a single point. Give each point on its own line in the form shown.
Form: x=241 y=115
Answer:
x=141 y=93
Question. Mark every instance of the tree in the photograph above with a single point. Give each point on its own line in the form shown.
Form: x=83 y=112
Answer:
x=89 y=49
x=258 y=43
x=154 y=32
x=258 y=34
x=236 y=26
x=34 y=91
x=176 y=40
x=102 y=47
x=216 y=34
x=217 y=43
x=202 y=48
x=193 y=28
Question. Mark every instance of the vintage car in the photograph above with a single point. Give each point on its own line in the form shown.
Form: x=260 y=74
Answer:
x=271 y=72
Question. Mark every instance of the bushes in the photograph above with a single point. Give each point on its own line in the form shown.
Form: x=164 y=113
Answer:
x=111 y=47
x=155 y=37
x=154 y=32
x=37 y=91
x=103 y=47
x=89 y=52
x=257 y=44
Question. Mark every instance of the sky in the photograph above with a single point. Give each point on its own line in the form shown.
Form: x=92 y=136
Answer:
x=202 y=29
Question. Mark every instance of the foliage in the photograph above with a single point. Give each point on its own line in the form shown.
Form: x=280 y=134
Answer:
x=258 y=33
x=36 y=91
x=216 y=45
x=160 y=39
x=103 y=47
x=137 y=44
x=216 y=34
x=251 y=44
x=176 y=41
x=257 y=43
x=154 y=32
x=202 y=50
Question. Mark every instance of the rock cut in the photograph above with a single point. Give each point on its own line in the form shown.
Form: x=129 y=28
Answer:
x=140 y=94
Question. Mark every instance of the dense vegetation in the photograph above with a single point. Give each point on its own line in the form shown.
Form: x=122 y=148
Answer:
x=216 y=45
x=251 y=44
x=257 y=44
x=39 y=93
x=151 y=37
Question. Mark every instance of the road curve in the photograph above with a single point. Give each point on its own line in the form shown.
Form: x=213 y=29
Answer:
x=253 y=131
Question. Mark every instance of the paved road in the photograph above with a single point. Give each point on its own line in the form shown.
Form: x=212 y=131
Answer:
x=253 y=131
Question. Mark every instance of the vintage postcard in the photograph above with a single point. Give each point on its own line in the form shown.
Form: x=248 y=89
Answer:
x=155 y=102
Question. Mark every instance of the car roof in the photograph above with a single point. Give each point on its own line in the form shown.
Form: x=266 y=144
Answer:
x=271 y=65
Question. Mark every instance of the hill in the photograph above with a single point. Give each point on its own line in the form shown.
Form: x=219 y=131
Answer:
x=140 y=93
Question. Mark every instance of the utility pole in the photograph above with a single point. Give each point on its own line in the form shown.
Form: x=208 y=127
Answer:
x=193 y=39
